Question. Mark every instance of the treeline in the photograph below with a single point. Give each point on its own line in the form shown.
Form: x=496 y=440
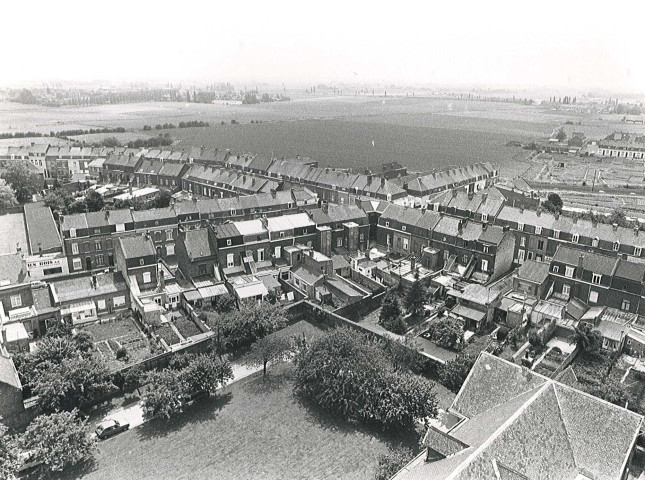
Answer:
x=63 y=134
x=166 y=126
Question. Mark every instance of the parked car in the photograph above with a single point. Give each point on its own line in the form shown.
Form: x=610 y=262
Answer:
x=109 y=428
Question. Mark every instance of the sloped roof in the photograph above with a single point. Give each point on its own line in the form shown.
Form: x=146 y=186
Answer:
x=533 y=427
x=8 y=373
x=41 y=228
x=533 y=271
x=82 y=287
x=593 y=262
x=12 y=268
x=198 y=244
x=137 y=246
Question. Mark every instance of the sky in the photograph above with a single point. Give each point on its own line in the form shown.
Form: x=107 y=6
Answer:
x=497 y=43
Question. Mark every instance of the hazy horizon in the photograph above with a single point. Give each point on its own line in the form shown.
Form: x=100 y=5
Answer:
x=529 y=46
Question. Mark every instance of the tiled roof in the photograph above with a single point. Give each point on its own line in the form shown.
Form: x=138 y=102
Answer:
x=593 y=262
x=41 y=228
x=198 y=244
x=82 y=287
x=137 y=246
x=12 y=268
x=533 y=428
x=533 y=271
x=631 y=270
x=8 y=372
x=346 y=213
x=226 y=230
x=306 y=275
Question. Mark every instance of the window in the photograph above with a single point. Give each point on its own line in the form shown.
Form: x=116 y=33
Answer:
x=16 y=301
x=72 y=232
x=593 y=297
x=108 y=244
x=233 y=211
x=596 y=278
x=566 y=290
x=403 y=228
x=530 y=255
x=387 y=224
x=538 y=230
x=305 y=231
x=76 y=264
x=568 y=272
x=522 y=241
x=97 y=231
x=594 y=242
x=202 y=269
x=168 y=234
x=101 y=304
x=339 y=242
x=556 y=233
x=277 y=252
x=520 y=226
x=120 y=227
x=158 y=236
x=260 y=254
x=281 y=234
x=119 y=301
x=486 y=248
x=556 y=269
x=147 y=278
x=74 y=248
x=625 y=305
x=389 y=240
x=170 y=249
x=361 y=237
x=228 y=242
x=405 y=244
x=229 y=260
x=520 y=255
x=97 y=245
x=616 y=246
x=141 y=262
x=484 y=265
x=575 y=238
x=99 y=260
x=484 y=217
x=540 y=245
x=637 y=251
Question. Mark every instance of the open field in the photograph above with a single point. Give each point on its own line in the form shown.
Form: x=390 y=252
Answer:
x=422 y=133
x=257 y=429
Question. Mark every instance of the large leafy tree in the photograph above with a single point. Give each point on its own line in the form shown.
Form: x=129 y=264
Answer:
x=447 y=333
x=586 y=339
x=166 y=395
x=7 y=197
x=161 y=199
x=60 y=440
x=268 y=349
x=416 y=298
x=23 y=181
x=391 y=316
x=8 y=453
x=351 y=375
x=391 y=462
x=206 y=373
x=94 y=201
x=452 y=374
x=73 y=383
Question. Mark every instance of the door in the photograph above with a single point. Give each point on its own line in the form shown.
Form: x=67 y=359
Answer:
x=88 y=263
x=111 y=259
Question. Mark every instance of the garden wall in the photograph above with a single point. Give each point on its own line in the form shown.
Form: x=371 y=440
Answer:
x=365 y=280
x=567 y=361
x=357 y=310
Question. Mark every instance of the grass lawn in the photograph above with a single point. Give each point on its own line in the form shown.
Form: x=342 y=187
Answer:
x=257 y=429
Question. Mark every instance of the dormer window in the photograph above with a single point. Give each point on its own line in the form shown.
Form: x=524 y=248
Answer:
x=576 y=238
x=556 y=233
x=596 y=278
x=403 y=228
x=387 y=224
x=594 y=242
x=616 y=246
x=233 y=211
x=228 y=242
x=637 y=251
x=520 y=226
x=484 y=217
x=538 y=230
x=72 y=232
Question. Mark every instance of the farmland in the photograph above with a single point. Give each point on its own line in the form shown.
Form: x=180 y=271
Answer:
x=421 y=133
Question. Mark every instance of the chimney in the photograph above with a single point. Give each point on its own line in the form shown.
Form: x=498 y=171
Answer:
x=413 y=263
x=382 y=181
x=615 y=226
x=18 y=247
x=130 y=188
x=94 y=283
x=575 y=219
x=521 y=208
x=484 y=225
x=107 y=214
x=484 y=197
x=471 y=195
x=161 y=279
x=454 y=192
x=369 y=179
x=581 y=259
x=636 y=230
x=273 y=193
x=461 y=227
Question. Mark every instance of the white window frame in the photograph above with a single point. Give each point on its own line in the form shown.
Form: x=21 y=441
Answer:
x=77 y=264
x=230 y=260
x=522 y=241
x=16 y=301
x=74 y=248
x=568 y=271
x=484 y=217
x=556 y=233
x=594 y=294
x=170 y=249
x=403 y=228
x=387 y=224
x=119 y=301
x=520 y=227
x=616 y=246
x=168 y=235
x=596 y=278
x=575 y=238
x=228 y=242
x=556 y=269
x=147 y=277
x=595 y=242
x=566 y=289
x=623 y=302
x=638 y=251
x=100 y=304
x=72 y=232
x=484 y=265
x=339 y=242
x=260 y=254
x=538 y=230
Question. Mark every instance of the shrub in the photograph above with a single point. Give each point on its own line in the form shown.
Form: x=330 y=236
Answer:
x=452 y=374
x=391 y=462
x=447 y=332
x=450 y=302
x=502 y=334
x=122 y=354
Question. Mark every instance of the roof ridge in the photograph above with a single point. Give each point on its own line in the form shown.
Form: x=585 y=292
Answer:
x=540 y=390
x=564 y=424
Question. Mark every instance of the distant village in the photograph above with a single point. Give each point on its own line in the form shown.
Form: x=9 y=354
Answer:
x=546 y=308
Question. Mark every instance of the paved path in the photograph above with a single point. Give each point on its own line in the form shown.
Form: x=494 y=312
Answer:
x=133 y=414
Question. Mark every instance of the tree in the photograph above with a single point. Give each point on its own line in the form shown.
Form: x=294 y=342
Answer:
x=553 y=203
x=8 y=454
x=94 y=201
x=391 y=462
x=73 y=383
x=561 y=135
x=447 y=332
x=165 y=395
x=416 y=298
x=268 y=349
x=23 y=182
x=111 y=142
x=452 y=374
x=7 y=197
x=59 y=440
x=161 y=199
x=351 y=375
x=391 y=316
x=613 y=391
x=206 y=373
x=586 y=339
x=225 y=303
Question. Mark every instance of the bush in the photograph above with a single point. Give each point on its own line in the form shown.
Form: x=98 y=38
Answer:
x=447 y=332
x=450 y=302
x=452 y=374
x=391 y=462
x=351 y=375
x=502 y=334
x=122 y=354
